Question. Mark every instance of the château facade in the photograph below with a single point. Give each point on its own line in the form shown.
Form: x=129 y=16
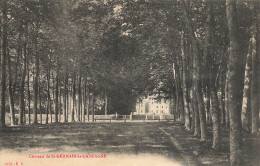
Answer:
x=151 y=105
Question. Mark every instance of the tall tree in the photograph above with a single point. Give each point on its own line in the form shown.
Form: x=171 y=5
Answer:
x=10 y=85
x=3 y=62
x=184 y=84
x=213 y=80
x=36 y=75
x=255 y=89
x=197 y=51
x=57 y=90
x=246 y=92
x=234 y=84
x=22 y=117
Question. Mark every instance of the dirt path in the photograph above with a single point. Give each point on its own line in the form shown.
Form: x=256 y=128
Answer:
x=132 y=140
x=142 y=142
x=189 y=160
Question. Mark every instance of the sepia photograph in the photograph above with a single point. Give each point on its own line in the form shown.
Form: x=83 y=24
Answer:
x=129 y=82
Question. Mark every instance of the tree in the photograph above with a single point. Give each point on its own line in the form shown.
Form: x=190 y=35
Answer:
x=22 y=84
x=234 y=83
x=184 y=86
x=3 y=63
x=213 y=80
x=246 y=92
x=255 y=72
x=197 y=50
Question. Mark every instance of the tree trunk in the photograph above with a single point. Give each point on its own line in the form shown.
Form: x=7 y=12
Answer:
x=71 y=101
x=10 y=88
x=208 y=106
x=177 y=110
x=84 y=101
x=22 y=84
x=176 y=79
x=48 y=95
x=40 y=104
x=46 y=113
x=73 y=96
x=65 y=106
x=246 y=92
x=13 y=83
x=29 y=93
x=234 y=84
x=105 y=102
x=213 y=72
x=226 y=100
x=196 y=114
x=209 y=54
x=198 y=81
x=194 y=99
x=192 y=111
x=3 y=65
x=174 y=108
x=202 y=116
x=65 y=100
x=184 y=86
x=88 y=102
x=199 y=96
x=48 y=98
x=53 y=98
x=79 y=97
x=36 y=82
x=215 y=118
x=57 y=96
x=181 y=112
x=60 y=101
x=255 y=88
x=179 y=100
x=222 y=97
x=93 y=107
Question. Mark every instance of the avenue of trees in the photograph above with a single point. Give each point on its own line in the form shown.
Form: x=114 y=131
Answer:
x=63 y=57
